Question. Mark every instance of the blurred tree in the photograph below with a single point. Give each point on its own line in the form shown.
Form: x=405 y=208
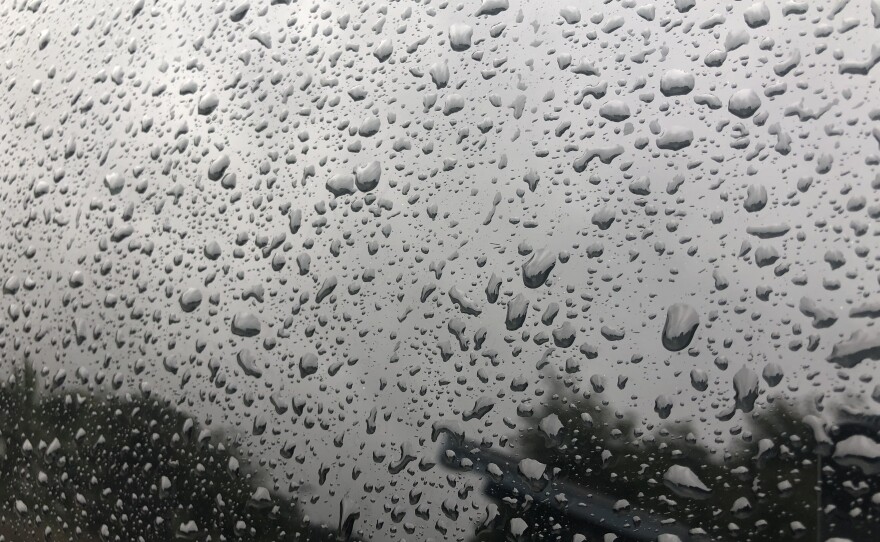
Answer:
x=770 y=482
x=81 y=466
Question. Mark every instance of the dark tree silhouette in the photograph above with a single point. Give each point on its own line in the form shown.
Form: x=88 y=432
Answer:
x=82 y=466
x=774 y=481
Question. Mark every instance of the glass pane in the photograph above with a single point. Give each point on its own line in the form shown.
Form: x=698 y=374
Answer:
x=427 y=270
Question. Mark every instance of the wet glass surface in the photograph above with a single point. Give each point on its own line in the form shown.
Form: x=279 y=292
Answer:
x=492 y=270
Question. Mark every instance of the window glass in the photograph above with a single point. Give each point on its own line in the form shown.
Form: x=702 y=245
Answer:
x=486 y=270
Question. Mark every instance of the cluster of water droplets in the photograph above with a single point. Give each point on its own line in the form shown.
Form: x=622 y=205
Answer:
x=498 y=269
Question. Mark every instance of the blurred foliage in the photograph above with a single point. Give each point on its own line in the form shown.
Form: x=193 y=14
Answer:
x=611 y=453
x=82 y=466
